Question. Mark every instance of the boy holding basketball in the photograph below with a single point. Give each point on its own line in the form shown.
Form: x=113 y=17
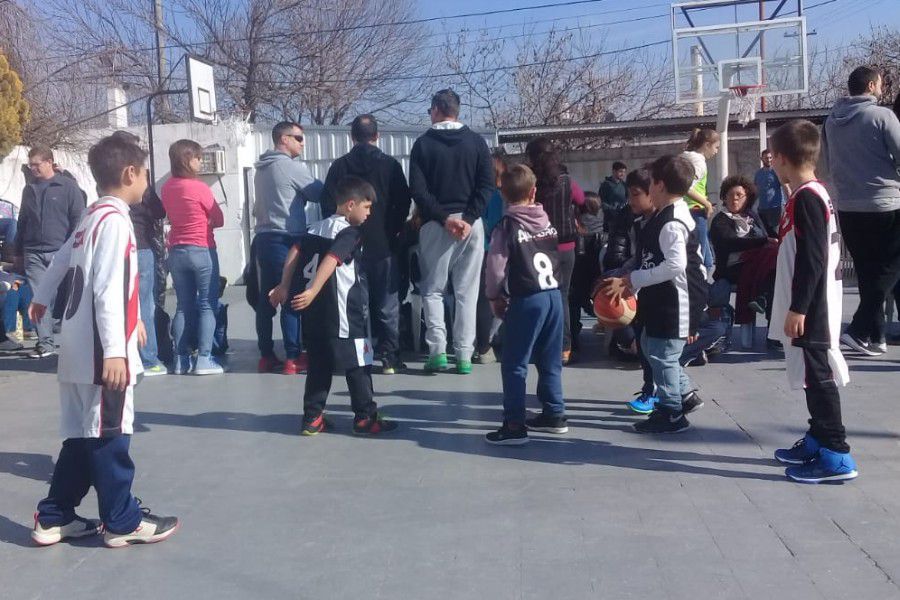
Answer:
x=521 y=282
x=672 y=288
x=807 y=302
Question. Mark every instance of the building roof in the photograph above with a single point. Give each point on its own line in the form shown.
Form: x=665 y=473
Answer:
x=652 y=126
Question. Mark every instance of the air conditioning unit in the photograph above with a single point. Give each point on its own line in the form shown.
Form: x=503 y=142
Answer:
x=212 y=162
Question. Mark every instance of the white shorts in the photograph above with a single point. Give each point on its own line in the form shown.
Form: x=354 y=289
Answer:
x=798 y=372
x=92 y=411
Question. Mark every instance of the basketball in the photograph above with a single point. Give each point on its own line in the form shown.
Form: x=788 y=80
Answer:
x=614 y=313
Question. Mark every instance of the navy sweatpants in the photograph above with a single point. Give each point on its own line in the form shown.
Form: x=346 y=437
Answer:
x=533 y=333
x=100 y=462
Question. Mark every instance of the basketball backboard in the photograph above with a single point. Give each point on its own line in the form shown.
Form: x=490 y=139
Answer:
x=719 y=44
x=201 y=89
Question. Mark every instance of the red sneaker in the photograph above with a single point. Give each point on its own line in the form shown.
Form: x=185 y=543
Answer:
x=269 y=364
x=296 y=366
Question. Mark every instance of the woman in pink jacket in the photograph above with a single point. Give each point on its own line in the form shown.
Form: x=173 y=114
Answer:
x=193 y=262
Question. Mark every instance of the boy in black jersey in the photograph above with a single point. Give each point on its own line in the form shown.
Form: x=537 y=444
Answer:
x=672 y=285
x=807 y=301
x=521 y=282
x=323 y=279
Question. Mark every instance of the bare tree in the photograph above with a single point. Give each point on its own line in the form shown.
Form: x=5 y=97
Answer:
x=561 y=77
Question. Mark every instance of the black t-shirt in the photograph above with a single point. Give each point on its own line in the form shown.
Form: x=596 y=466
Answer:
x=341 y=310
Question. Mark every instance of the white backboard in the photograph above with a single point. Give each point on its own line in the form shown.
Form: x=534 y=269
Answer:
x=718 y=44
x=201 y=89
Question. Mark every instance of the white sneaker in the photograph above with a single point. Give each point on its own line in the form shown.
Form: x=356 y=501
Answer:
x=76 y=528
x=151 y=529
x=10 y=345
x=851 y=341
x=41 y=351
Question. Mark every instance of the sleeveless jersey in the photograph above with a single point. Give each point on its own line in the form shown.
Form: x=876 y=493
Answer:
x=671 y=309
x=533 y=261
x=341 y=310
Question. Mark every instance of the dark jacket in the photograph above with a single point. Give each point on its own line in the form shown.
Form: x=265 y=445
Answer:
x=725 y=241
x=620 y=243
x=556 y=198
x=450 y=171
x=146 y=218
x=380 y=231
x=46 y=220
x=613 y=198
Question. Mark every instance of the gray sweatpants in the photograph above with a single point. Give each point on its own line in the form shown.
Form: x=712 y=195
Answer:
x=36 y=264
x=444 y=259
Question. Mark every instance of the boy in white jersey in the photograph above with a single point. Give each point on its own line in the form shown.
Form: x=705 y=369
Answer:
x=99 y=361
x=807 y=302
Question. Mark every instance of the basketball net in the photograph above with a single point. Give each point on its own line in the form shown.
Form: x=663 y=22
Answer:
x=746 y=96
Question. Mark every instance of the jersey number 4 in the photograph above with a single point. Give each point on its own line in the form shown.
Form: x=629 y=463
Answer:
x=544 y=267
x=309 y=271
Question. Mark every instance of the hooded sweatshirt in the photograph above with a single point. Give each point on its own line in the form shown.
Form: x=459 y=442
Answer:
x=392 y=199
x=450 y=172
x=283 y=187
x=862 y=149
x=522 y=259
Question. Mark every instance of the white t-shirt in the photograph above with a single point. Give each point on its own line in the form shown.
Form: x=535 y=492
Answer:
x=699 y=162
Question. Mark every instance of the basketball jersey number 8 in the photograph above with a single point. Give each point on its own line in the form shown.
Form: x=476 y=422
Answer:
x=309 y=271
x=544 y=267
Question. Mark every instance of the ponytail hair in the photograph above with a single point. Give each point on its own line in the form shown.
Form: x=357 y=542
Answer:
x=699 y=137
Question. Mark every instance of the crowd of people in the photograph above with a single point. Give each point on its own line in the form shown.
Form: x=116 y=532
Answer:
x=505 y=254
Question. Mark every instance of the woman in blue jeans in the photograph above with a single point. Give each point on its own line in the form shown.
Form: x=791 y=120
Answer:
x=193 y=261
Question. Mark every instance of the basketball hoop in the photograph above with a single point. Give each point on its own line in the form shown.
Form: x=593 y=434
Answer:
x=746 y=96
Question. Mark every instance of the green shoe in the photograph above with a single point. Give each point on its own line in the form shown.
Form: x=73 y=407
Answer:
x=464 y=367
x=436 y=364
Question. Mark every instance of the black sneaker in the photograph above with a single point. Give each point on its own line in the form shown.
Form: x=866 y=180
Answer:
x=692 y=402
x=547 y=424
x=700 y=360
x=507 y=436
x=313 y=426
x=391 y=365
x=774 y=345
x=661 y=421
x=373 y=425
x=861 y=346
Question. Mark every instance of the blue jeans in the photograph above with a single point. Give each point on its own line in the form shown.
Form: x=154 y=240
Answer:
x=671 y=381
x=147 y=275
x=271 y=252
x=100 y=462
x=17 y=301
x=533 y=332
x=197 y=294
x=703 y=236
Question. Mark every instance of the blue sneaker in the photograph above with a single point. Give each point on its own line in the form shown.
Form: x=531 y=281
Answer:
x=207 y=365
x=643 y=404
x=182 y=365
x=829 y=466
x=805 y=450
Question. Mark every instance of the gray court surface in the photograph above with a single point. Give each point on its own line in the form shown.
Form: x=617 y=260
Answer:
x=433 y=512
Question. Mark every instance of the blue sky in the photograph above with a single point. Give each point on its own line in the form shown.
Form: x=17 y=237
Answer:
x=837 y=22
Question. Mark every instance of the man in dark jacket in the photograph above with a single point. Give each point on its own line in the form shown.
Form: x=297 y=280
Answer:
x=613 y=195
x=452 y=178
x=51 y=209
x=379 y=232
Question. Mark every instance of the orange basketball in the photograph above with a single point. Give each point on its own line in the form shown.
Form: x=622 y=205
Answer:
x=614 y=313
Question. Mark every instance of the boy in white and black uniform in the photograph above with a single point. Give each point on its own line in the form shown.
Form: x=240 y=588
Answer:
x=672 y=292
x=323 y=278
x=807 y=300
x=98 y=360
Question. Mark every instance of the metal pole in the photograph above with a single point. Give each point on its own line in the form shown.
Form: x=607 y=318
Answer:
x=762 y=51
x=150 y=100
x=160 y=50
x=697 y=81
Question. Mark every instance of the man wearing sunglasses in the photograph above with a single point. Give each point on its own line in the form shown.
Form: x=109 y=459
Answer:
x=283 y=186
